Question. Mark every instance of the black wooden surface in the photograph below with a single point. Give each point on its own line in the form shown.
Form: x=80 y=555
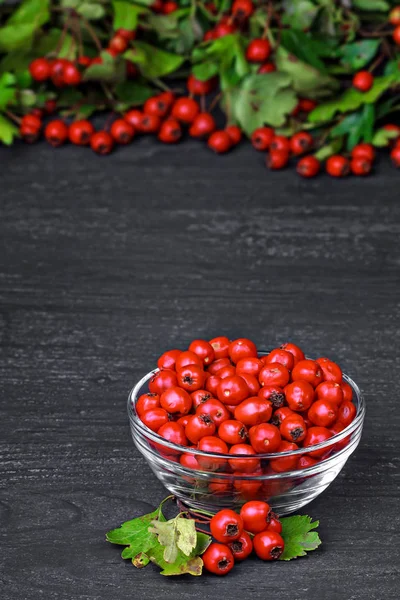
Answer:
x=106 y=262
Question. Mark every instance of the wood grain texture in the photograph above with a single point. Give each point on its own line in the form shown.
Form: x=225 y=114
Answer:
x=105 y=263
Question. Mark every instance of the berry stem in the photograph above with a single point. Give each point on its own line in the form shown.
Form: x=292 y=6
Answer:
x=13 y=117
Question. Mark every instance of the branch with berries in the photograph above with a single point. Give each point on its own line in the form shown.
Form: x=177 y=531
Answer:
x=313 y=82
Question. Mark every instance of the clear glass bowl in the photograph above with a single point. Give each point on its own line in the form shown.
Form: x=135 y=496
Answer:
x=216 y=486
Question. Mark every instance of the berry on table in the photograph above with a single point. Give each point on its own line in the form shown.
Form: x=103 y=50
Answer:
x=226 y=526
x=235 y=133
x=337 y=166
x=220 y=142
x=185 y=110
x=149 y=124
x=122 y=132
x=301 y=142
x=218 y=559
x=80 y=132
x=134 y=117
x=280 y=143
x=277 y=159
x=156 y=106
x=364 y=150
x=309 y=166
x=170 y=131
x=101 y=142
x=262 y=137
x=360 y=166
x=268 y=545
x=56 y=133
x=203 y=125
x=242 y=547
x=395 y=156
x=256 y=516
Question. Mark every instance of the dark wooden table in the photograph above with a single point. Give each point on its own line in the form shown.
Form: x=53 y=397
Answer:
x=106 y=262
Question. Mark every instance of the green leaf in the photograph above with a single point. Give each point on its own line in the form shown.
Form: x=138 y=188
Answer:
x=358 y=126
x=34 y=12
x=262 y=99
x=126 y=15
x=383 y=137
x=307 y=81
x=49 y=42
x=136 y=535
x=175 y=535
x=153 y=61
x=27 y=98
x=23 y=78
x=371 y=5
x=351 y=100
x=333 y=147
x=302 y=46
x=187 y=537
x=298 y=536
x=358 y=54
x=133 y=93
x=191 y=565
x=206 y=70
x=8 y=131
x=16 y=37
x=105 y=71
x=225 y=56
x=92 y=11
x=7 y=90
x=299 y=14
x=392 y=67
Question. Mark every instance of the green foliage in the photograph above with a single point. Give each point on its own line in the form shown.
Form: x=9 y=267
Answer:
x=8 y=131
x=299 y=536
x=126 y=14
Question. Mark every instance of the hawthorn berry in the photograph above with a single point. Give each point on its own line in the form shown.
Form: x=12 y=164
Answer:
x=258 y=50
x=149 y=124
x=241 y=348
x=147 y=402
x=84 y=61
x=250 y=366
x=249 y=461
x=265 y=438
x=242 y=9
x=280 y=415
x=395 y=156
x=218 y=364
x=281 y=356
x=267 y=67
x=262 y=137
x=360 y=166
x=101 y=142
x=191 y=377
x=198 y=426
x=215 y=409
x=156 y=106
x=277 y=159
x=50 y=106
x=253 y=411
x=363 y=81
x=218 y=559
x=173 y=432
x=299 y=394
x=209 y=35
x=187 y=358
x=118 y=44
x=316 y=435
x=134 y=118
x=301 y=142
x=308 y=166
x=127 y=34
x=163 y=380
x=40 y=69
x=198 y=87
x=330 y=390
x=232 y=432
x=285 y=463
x=56 y=133
x=242 y=547
x=168 y=97
x=80 y=132
x=235 y=133
x=308 y=370
x=155 y=418
x=274 y=523
x=394 y=16
x=220 y=142
x=396 y=35
x=170 y=131
x=185 y=110
x=71 y=75
x=226 y=526
x=346 y=412
x=202 y=126
x=293 y=428
x=255 y=515
x=223 y=29
x=203 y=349
x=274 y=374
x=221 y=346
x=176 y=400
x=337 y=166
x=280 y=143
x=273 y=393
x=331 y=371
x=29 y=134
x=322 y=413
x=232 y=390
x=32 y=121
x=295 y=350
x=364 y=150
x=268 y=545
x=169 y=7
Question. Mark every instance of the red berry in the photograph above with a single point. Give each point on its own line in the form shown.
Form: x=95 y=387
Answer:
x=346 y=413
x=281 y=143
x=295 y=350
x=323 y=413
x=280 y=415
x=212 y=444
x=134 y=117
x=80 y=133
x=203 y=125
x=316 y=435
x=31 y=121
x=293 y=428
x=363 y=81
x=306 y=105
x=330 y=370
x=40 y=69
x=235 y=133
x=56 y=133
x=212 y=383
x=226 y=526
x=285 y=463
x=112 y=52
x=215 y=409
x=221 y=347
x=337 y=166
x=199 y=87
x=50 y=106
x=331 y=391
x=199 y=397
x=394 y=16
x=360 y=166
x=203 y=349
x=262 y=137
x=365 y=151
x=157 y=6
x=29 y=134
x=308 y=166
x=301 y=142
x=156 y=106
x=127 y=34
x=277 y=159
x=232 y=432
x=258 y=50
x=252 y=383
x=274 y=374
x=187 y=358
x=174 y=433
x=185 y=110
x=71 y=75
x=122 y=132
x=242 y=547
x=147 y=402
x=308 y=370
x=163 y=380
x=169 y=7
x=118 y=44
x=218 y=364
x=306 y=461
x=209 y=35
x=253 y=411
x=170 y=131
x=245 y=464
x=176 y=400
x=101 y=142
x=218 y=559
x=396 y=35
x=191 y=378
x=57 y=71
x=168 y=97
x=255 y=516
x=198 y=426
x=84 y=61
x=299 y=395
x=189 y=460
x=267 y=67
x=274 y=523
x=131 y=70
x=242 y=9
x=242 y=348
x=273 y=393
x=250 y=366
x=268 y=545
x=155 y=418
x=395 y=156
x=232 y=390
x=278 y=355
x=150 y=124
x=265 y=438
x=220 y=142
x=223 y=29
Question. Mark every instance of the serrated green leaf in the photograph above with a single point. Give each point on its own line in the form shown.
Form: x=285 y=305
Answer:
x=34 y=12
x=351 y=100
x=133 y=93
x=371 y=5
x=303 y=46
x=262 y=99
x=357 y=126
x=153 y=61
x=23 y=78
x=299 y=14
x=383 y=137
x=8 y=131
x=126 y=15
x=186 y=535
x=191 y=565
x=136 y=535
x=140 y=560
x=306 y=80
x=356 y=55
x=167 y=537
x=298 y=536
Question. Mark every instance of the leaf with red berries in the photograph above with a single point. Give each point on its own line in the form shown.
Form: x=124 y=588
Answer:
x=299 y=536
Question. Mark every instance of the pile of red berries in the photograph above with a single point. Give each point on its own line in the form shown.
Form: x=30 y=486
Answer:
x=237 y=535
x=223 y=397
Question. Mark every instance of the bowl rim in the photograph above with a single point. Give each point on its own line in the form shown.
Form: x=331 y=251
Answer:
x=144 y=430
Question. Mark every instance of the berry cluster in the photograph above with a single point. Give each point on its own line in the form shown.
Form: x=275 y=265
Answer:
x=237 y=535
x=167 y=115
x=222 y=397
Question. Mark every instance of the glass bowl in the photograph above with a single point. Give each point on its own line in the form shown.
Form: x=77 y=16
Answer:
x=214 y=485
